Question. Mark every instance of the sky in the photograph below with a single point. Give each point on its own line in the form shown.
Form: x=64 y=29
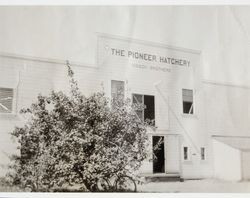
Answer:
x=221 y=33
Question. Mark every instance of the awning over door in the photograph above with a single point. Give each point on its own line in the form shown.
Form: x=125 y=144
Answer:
x=238 y=142
x=231 y=157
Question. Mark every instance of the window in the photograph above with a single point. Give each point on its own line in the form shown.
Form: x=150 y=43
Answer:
x=148 y=112
x=6 y=100
x=117 y=92
x=203 y=153
x=187 y=97
x=185 y=153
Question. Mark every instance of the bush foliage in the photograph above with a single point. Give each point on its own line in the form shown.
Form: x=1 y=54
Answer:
x=75 y=140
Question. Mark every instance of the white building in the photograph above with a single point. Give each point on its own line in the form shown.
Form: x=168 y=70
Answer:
x=205 y=134
x=204 y=123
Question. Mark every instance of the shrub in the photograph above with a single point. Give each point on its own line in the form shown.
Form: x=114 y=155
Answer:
x=75 y=140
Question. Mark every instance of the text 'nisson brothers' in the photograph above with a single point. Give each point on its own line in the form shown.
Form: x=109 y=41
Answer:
x=149 y=57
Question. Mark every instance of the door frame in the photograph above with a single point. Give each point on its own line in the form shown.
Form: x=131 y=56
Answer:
x=166 y=136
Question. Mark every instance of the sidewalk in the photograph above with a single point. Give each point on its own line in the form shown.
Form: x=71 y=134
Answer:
x=196 y=186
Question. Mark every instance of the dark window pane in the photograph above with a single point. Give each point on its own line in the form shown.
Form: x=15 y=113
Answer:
x=185 y=153
x=202 y=153
x=149 y=111
x=187 y=107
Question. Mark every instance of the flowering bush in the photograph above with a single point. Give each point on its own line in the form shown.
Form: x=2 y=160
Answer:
x=75 y=140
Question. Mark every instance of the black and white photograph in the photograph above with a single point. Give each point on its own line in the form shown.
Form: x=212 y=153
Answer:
x=124 y=98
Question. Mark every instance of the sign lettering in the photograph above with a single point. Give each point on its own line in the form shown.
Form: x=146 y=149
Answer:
x=149 y=57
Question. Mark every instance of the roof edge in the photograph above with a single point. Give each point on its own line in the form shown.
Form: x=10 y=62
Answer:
x=45 y=60
x=228 y=136
x=225 y=84
x=149 y=43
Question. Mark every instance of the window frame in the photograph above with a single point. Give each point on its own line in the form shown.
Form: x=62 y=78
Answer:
x=193 y=102
x=124 y=91
x=143 y=111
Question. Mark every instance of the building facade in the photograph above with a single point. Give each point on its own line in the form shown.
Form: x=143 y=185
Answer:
x=202 y=124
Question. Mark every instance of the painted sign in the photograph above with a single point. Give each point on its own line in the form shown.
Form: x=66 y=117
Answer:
x=149 y=57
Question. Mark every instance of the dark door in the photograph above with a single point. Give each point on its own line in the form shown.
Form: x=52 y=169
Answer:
x=159 y=156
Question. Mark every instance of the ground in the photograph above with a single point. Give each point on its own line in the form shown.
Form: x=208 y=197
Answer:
x=188 y=186
x=197 y=186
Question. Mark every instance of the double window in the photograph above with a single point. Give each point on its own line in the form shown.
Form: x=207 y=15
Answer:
x=6 y=100
x=187 y=101
x=186 y=153
x=147 y=113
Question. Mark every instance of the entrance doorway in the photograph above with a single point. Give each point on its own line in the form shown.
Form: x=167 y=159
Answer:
x=159 y=155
